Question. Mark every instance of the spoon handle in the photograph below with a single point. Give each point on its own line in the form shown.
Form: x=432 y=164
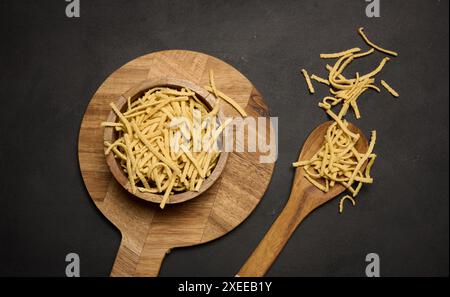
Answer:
x=296 y=209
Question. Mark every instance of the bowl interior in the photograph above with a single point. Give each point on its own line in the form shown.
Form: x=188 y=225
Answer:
x=111 y=135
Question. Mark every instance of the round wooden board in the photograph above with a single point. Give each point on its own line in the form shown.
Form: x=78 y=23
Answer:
x=148 y=232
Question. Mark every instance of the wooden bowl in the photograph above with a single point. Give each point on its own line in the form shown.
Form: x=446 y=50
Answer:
x=110 y=135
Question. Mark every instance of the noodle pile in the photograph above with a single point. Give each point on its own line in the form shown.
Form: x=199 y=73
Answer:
x=338 y=161
x=167 y=140
x=161 y=141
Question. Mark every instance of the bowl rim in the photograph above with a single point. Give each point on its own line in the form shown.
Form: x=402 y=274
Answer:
x=109 y=135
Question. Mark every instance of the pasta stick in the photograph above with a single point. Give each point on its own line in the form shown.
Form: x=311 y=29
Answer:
x=229 y=100
x=340 y=54
x=364 y=37
x=389 y=89
x=167 y=193
x=341 y=202
x=308 y=81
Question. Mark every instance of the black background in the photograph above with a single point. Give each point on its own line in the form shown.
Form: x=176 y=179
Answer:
x=51 y=65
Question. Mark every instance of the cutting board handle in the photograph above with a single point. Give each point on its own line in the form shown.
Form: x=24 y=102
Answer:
x=144 y=262
x=296 y=209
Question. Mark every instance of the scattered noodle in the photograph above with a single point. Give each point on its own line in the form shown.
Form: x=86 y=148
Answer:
x=319 y=79
x=340 y=54
x=338 y=161
x=364 y=54
x=213 y=83
x=389 y=89
x=376 y=70
x=308 y=81
x=341 y=203
x=361 y=32
x=348 y=90
x=218 y=94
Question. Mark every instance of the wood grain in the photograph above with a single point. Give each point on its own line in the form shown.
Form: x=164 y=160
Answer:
x=304 y=198
x=148 y=233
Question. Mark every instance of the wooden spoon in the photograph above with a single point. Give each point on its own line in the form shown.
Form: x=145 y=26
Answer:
x=304 y=198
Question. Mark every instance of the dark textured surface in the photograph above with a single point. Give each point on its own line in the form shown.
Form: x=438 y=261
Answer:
x=50 y=67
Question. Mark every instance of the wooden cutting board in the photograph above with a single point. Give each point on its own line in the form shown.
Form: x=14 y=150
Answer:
x=148 y=233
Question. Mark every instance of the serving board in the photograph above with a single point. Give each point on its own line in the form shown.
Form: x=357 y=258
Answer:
x=148 y=232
